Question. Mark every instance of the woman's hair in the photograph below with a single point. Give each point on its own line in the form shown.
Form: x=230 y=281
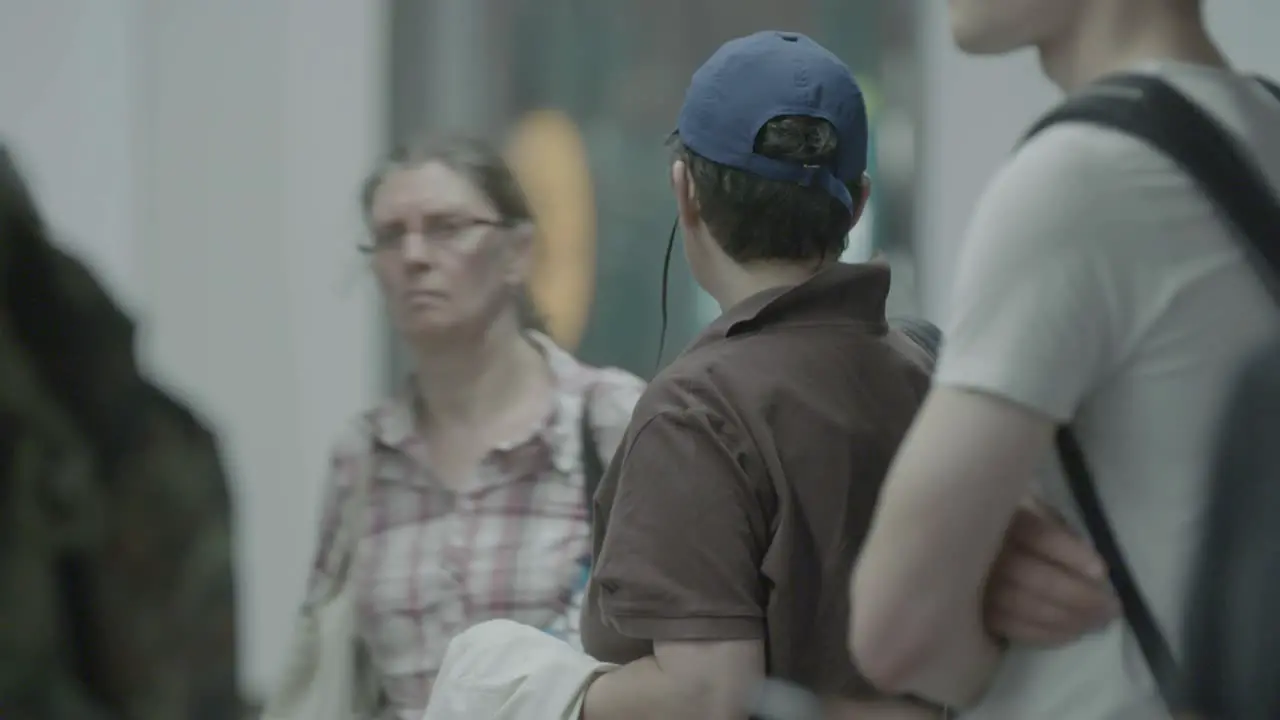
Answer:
x=473 y=158
x=480 y=163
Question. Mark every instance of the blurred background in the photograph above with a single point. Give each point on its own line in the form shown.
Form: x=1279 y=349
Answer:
x=205 y=158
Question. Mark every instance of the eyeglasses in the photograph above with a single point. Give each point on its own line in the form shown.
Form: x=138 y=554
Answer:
x=451 y=232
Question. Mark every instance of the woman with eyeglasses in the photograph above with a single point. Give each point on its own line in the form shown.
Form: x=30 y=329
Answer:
x=475 y=481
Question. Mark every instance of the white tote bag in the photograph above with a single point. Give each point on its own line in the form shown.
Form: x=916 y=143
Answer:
x=502 y=670
x=327 y=678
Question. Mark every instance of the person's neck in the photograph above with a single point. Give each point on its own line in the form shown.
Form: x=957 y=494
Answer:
x=467 y=379
x=1120 y=35
x=739 y=282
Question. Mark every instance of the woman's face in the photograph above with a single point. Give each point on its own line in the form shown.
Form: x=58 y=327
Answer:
x=443 y=257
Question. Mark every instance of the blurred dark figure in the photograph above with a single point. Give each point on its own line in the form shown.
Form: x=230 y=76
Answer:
x=1233 y=637
x=116 y=590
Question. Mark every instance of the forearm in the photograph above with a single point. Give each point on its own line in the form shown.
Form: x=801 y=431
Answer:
x=638 y=691
x=931 y=644
x=939 y=527
x=915 y=629
x=959 y=667
x=681 y=681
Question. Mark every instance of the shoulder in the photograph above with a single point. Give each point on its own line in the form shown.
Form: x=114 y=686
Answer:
x=353 y=445
x=611 y=396
x=690 y=393
x=682 y=441
x=612 y=393
x=1078 y=207
x=1072 y=187
x=1060 y=156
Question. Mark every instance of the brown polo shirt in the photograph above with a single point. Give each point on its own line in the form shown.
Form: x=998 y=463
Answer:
x=745 y=484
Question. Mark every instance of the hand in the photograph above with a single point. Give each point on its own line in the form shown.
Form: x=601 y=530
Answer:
x=1048 y=586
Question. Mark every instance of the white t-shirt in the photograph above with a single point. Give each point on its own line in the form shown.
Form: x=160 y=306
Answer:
x=1098 y=285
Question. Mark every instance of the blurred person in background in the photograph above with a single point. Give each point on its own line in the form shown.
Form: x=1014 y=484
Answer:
x=477 y=472
x=117 y=597
x=1091 y=293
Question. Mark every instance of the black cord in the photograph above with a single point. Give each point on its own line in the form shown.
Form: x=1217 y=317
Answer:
x=666 y=276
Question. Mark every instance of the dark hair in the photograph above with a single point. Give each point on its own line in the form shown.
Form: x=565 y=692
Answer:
x=480 y=163
x=755 y=218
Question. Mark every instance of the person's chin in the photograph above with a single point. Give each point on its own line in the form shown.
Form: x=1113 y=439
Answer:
x=428 y=322
x=974 y=42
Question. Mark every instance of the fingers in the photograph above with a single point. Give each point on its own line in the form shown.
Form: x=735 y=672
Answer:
x=1039 y=535
x=1033 y=595
x=1008 y=618
x=1033 y=600
x=1049 y=585
x=1011 y=627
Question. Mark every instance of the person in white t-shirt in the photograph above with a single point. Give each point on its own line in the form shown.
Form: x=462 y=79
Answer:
x=1097 y=287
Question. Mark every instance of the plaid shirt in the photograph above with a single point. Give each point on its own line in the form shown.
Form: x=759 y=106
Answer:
x=514 y=545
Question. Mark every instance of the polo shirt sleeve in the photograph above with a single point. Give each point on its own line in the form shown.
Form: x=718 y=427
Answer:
x=1041 y=309
x=680 y=557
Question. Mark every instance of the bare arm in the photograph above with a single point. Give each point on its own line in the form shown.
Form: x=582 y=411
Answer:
x=1049 y=586
x=1037 y=317
x=679 y=568
x=918 y=585
x=682 y=681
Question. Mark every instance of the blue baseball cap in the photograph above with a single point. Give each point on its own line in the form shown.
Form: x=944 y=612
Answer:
x=753 y=79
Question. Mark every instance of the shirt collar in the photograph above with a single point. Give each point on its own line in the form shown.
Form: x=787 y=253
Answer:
x=841 y=292
x=394 y=421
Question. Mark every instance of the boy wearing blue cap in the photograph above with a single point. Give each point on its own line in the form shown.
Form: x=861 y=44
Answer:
x=727 y=523
x=728 y=519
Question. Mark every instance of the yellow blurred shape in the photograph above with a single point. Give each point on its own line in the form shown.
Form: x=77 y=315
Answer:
x=549 y=158
x=870 y=95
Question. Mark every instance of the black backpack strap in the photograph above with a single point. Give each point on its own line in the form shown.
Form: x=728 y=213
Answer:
x=1270 y=86
x=592 y=465
x=1155 y=648
x=1149 y=109
x=923 y=333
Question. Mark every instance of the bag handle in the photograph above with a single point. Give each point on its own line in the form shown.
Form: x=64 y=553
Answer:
x=1148 y=108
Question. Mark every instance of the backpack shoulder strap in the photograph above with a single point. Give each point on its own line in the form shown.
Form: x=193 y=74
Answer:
x=592 y=465
x=1151 y=110
x=923 y=333
x=1270 y=86
x=1151 y=640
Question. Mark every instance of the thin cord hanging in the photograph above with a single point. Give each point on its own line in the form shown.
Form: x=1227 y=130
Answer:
x=666 y=275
